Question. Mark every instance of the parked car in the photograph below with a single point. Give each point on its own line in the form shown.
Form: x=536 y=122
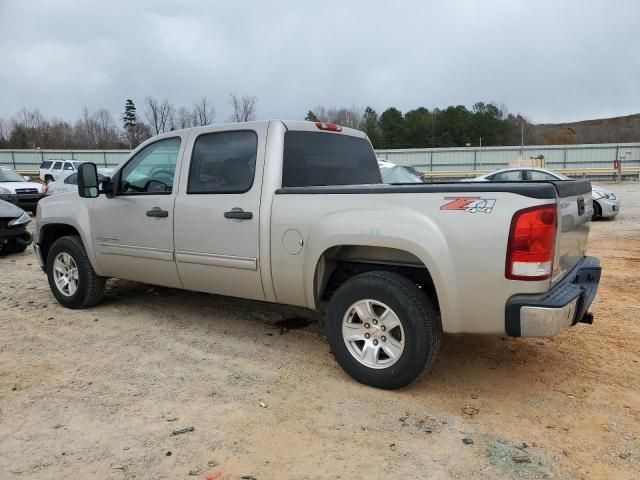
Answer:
x=296 y=213
x=392 y=173
x=605 y=202
x=59 y=169
x=14 y=236
x=68 y=184
x=16 y=189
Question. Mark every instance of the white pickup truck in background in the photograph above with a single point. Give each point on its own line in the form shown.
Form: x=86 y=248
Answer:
x=296 y=213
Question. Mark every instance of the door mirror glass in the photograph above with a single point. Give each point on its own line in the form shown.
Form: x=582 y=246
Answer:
x=88 y=180
x=27 y=178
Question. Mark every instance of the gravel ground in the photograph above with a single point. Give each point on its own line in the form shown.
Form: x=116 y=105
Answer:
x=97 y=393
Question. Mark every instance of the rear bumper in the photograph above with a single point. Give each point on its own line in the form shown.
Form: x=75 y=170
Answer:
x=564 y=305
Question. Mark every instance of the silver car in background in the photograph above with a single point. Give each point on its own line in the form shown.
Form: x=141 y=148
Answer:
x=392 y=173
x=68 y=184
x=605 y=202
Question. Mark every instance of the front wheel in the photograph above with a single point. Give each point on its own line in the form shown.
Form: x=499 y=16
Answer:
x=597 y=211
x=383 y=329
x=72 y=279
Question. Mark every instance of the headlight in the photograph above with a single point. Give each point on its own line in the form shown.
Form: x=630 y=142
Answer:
x=21 y=220
x=4 y=191
x=610 y=196
x=597 y=194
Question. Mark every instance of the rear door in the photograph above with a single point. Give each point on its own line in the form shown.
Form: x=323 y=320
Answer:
x=217 y=212
x=56 y=171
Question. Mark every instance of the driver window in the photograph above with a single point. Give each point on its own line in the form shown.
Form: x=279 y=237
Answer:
x=152 y=169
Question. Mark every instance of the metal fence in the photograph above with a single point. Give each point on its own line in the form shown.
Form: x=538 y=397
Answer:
x=436 y=162
x=458 y=162
x=31 y=159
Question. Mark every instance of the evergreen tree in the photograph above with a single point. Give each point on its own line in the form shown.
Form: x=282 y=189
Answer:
x=129 y=118
x=130 y=121
x=311 y=117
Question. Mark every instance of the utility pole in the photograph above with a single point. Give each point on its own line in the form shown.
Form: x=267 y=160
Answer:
x=522 y=138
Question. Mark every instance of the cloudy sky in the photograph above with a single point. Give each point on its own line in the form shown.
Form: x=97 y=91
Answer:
x=551 y=60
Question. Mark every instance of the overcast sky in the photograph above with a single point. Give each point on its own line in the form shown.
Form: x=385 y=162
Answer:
x=551 y=60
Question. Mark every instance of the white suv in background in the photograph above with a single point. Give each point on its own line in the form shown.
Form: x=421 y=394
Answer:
x=59 y=169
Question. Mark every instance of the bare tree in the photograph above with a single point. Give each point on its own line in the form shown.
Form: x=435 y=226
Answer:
x=203 y=112
x=185 y=118
x=160 y=114
x=346 y=116
x=244 y=108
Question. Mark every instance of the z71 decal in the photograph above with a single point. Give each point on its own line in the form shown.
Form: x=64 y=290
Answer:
x=469 y=204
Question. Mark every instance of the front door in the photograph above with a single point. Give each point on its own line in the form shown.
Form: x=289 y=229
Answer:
x=133 y=231
x=217 y=213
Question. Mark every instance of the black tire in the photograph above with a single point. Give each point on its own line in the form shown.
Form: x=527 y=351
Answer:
x=414 y=309
x=90 y=285
x=597 y=211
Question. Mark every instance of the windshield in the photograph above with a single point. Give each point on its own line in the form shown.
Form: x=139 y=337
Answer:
x=10 y=176
x=398 y=174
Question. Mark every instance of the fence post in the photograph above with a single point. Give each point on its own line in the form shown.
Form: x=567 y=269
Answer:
x=72 y=158
x=564 y=161
x=431 y=160
x=475 y=156
x=13 y=159
x=104 y=156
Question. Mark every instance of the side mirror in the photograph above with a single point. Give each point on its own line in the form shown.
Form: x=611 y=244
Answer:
x=27 y=178
x=88 y=180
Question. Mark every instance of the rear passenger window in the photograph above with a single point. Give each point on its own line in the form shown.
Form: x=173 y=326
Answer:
x=508 y=176
x=68 y=166
x=318 y=159
x=223 y=162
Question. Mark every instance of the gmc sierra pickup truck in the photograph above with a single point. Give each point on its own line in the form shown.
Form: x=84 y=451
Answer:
x=296 y=213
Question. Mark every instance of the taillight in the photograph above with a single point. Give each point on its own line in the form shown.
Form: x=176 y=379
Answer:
x=532 y=241
x=332 y=127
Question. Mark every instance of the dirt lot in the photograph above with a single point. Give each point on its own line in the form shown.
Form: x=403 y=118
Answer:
x=97 y=393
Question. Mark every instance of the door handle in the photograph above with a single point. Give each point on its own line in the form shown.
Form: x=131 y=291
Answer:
x=157 y=212
x=239 y=214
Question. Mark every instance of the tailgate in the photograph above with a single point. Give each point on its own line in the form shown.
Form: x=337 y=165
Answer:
x=575 y=207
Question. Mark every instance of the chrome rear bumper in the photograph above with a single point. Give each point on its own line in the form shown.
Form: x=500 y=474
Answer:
x=564 y=305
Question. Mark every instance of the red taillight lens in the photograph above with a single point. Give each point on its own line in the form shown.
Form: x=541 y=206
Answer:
x=332 y=127
x=532 y=241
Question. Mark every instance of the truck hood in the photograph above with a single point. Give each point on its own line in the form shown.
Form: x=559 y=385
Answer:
x=11 y=186
x=9 y=210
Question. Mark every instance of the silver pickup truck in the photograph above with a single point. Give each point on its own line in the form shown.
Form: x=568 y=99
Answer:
x=296 y=213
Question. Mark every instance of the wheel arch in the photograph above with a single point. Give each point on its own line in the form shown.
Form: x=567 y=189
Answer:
x=338 y=263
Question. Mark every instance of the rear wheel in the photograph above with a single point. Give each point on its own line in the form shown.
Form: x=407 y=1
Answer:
x=72 y=279
x=383 y=329
x=48 y=179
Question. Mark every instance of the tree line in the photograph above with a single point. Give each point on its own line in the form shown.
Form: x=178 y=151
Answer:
x=483 y=124
x=453 y=126
x=99 y=129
